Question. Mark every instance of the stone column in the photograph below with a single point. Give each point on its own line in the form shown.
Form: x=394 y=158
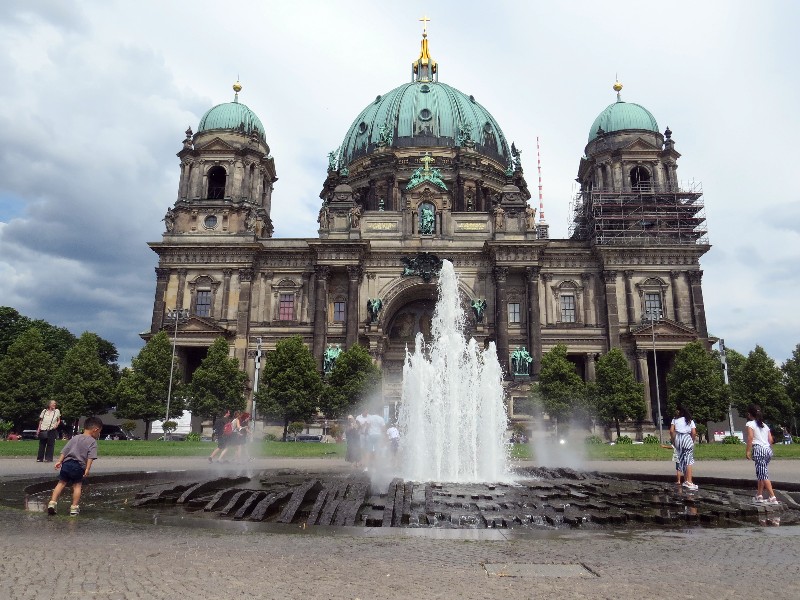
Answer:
x=501 y=315
x=698 y=308
x=674 y=277
x=611 y=309
x=181 y=286
x=588 y=301
x=629 y=300
x=320 y=316
x=266 y=303
x=546 y=278
x=354 y=277
x=226 y=292
x=534 y=319
x=247 y=191
x=243 y=314
x=159 y=304
x=644 y=377
x=306 y=288
x=591 y=373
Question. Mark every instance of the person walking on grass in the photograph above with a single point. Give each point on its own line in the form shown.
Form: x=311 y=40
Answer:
x=759 y=450
x=75 y=462
x=683 y=433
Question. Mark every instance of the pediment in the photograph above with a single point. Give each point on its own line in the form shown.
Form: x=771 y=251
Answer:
x=665 y=328
x=198 y=326
x=640 y=144
x=217 y=144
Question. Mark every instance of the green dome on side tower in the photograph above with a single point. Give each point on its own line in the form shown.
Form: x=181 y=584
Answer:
x=621 y=116
x=232 y=116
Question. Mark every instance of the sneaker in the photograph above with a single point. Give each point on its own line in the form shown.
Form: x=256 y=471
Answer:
x=74 y=510
x=772 y=500
x=51 y=508
x=689 y=486
x=758 y=499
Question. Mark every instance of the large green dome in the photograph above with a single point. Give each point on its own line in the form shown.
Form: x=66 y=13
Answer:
x=621 y=116
x=232 y=116
x=424 y=114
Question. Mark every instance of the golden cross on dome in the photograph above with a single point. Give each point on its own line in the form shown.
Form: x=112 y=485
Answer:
x=424 y=20
x=427 y=160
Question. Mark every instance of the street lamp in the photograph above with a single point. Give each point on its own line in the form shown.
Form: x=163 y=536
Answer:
x=724 y=360
x=179 y=315
x=255 y=382
x=653 y=315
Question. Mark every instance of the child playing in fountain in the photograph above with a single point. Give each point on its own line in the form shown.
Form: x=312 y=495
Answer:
x=75 y=462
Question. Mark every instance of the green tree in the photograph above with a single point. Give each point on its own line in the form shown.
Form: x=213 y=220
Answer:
x=82 y=384
x=142 y=390
x=615 y=394
x=561 y=390
x=791 y=374
x=57 y=340
x=758 y=380
x=25 y=378
x=218 y=384
x=12 y=324
x=696 y=382
x=353 y=379
x=291 y=384
x=736 y=361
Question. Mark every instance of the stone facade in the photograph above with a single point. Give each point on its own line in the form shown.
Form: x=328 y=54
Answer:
x=389 y=214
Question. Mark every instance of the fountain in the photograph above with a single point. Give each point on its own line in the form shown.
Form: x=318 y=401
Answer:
x=452 y=418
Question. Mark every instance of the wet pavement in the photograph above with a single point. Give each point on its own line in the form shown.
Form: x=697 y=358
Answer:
x=167 y=557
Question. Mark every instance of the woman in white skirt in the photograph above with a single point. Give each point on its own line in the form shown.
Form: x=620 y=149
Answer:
x=683 y=432
x=759 y=449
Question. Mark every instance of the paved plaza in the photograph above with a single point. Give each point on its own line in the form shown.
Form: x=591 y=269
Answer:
x=89 y=557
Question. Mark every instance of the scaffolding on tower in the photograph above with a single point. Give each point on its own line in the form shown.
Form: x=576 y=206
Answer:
x=643 y=215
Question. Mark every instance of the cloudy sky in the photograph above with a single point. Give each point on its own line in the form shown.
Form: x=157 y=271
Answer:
x=95 y=98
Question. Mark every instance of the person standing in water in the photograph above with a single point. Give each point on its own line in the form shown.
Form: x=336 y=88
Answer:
x=759 y=449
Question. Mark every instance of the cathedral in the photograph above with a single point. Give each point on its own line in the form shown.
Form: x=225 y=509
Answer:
x=425 y=173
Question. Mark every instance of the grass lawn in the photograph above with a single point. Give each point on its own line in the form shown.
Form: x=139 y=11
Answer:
x=318 y=450
x=160 y=448
x=655 y=452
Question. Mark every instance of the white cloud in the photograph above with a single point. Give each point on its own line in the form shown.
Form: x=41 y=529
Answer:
x=96 y=99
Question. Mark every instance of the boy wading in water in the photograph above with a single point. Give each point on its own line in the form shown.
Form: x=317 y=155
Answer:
x=75 y=463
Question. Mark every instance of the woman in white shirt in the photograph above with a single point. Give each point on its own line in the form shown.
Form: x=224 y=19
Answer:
x=759 y=449
x=683 y=433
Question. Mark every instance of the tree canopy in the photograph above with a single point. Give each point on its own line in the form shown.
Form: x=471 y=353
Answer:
x=353 y=379
x=696 y=382
x=758 y=380
x=561 y=390
x=791 y=374
x=615 y=394
x=291 y=384
x=83 y=384
x=218 y=384
x=142 y=390
x=25 y=377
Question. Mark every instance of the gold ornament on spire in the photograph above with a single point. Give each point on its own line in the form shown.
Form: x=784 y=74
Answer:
x=424 y=68
x=424 y=20
x=617 y=86
x=237 y=87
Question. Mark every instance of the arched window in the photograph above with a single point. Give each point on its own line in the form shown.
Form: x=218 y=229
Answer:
x=640 y=179
x=216 y=183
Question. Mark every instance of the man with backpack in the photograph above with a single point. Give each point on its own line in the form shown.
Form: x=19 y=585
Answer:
x=220 y=425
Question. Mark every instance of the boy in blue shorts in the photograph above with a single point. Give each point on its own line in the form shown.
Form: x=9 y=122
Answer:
x=75 y=462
